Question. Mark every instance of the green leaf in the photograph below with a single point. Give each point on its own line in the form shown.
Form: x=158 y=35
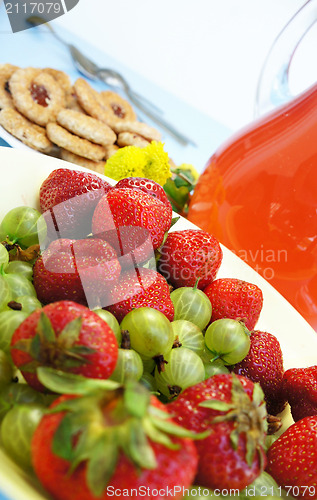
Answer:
x=157 y=436
x=156 y=412
x=136 y=399
x=30 y=367
x=70 y=333
x=139 y=448
x=102 y=463
x=174 y=220
x=215 y=404
x=45 y=329
x=81 y=350
x=234 y=439
x=250 y=450
x=22 y=345
x=258 y=395
x=83 y=450
x=62 y=441
x=69 y=383
x=35 y=347
x=176 y=430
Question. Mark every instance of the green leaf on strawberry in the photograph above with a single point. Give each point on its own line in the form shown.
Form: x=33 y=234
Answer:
x=67 y=383
x=99 y=425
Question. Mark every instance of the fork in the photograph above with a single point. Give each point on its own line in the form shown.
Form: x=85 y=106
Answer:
x=115 y=80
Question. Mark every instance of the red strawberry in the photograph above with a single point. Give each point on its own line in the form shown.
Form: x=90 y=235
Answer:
x=148 y=186
x=235 y=299
x=140 y=287
x=78 y=270
x=233 y=409
x=292 y=459
x=69 y=197
x=131 y=221
x=300 y=390
x=188 y=255
x=67 y=336
x=122 y=449
x=264 y=364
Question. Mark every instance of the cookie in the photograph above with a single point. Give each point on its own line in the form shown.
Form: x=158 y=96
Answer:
x=73 y=143
x=86 y=126
x=20 y=127
x=119 y=109
x=131 y=139
x=6 y=71
x=142 y=129
x=107 y=106
x=36 y=95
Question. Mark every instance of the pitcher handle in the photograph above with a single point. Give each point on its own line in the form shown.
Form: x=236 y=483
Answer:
x=273 y=86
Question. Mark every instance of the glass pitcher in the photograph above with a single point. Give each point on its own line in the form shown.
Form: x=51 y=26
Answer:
x=258 y=192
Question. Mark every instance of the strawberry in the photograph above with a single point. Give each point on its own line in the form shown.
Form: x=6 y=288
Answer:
x=148 y=186
x=64 y=335
x=264 y=364
x=132 y=221
x=300 y=390
x=79 y=270
x=118 y=442
x=292 y=459
x=140 y=287
x=233 y=409
x=235 y=299
x=189 y=255
x=68 y=199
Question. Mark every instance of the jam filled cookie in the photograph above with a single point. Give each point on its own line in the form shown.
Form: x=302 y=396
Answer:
x=29 y=133
x=61 y=78
x=6 y=71
x=73 y=143
x=36 y=94
x=107 y=106
x=86 y=127
x=119 y=109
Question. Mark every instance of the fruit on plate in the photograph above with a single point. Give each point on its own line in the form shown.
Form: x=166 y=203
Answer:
x=232 y=408
x=228 y=340
x=80 y=270
x=191 y=304
x=128 y=218
x=264 y=364
x=184 y=368
x=236 y=299
x=17 y=429
x=187 y=334
x=140 y=287
x=292 y=459
x=6 y=369
x=67 y=336
x=23 y=226
x=148 y=186
x=180 y=360
x=190 y=255
x=68 y=199
x=300 y=390
x=150 y=333
x=120 y=440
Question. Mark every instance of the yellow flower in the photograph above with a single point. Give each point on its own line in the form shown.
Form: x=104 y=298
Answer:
x=157 y=165
x=151 y=162
x=129 y=161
